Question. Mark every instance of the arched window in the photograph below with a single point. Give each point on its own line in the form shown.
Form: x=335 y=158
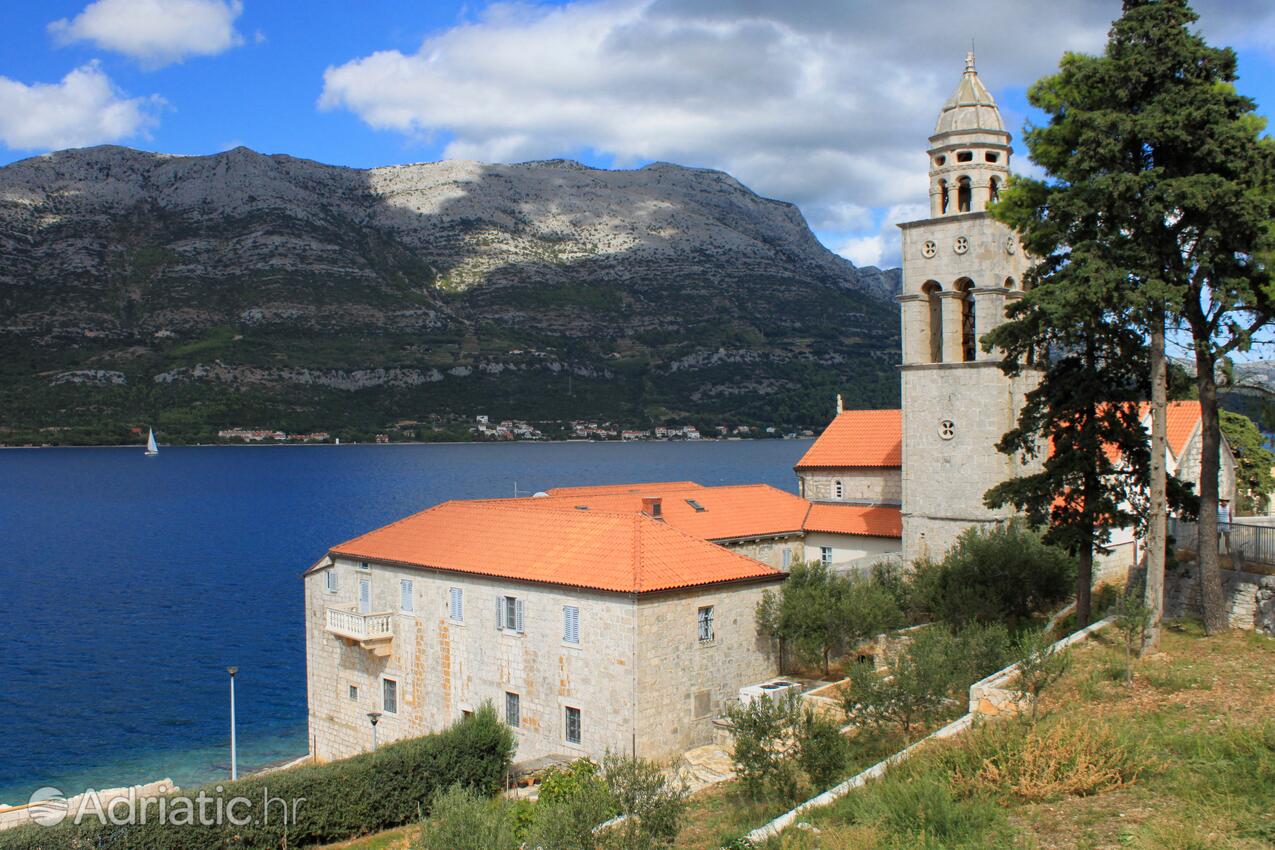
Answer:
x=1009 y=283
x=993 y=190
x=943 y=196
x=964 y=195
x=838 y=492
x=969 y=342
x=931 y=290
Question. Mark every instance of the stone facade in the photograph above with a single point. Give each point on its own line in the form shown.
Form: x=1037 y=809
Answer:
x=443 y=668
x=780 y=552
x=1188 y=467
x=682 y=682
x=868 y=485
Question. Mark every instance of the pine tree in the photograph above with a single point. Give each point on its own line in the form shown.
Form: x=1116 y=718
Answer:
x=1160 y=185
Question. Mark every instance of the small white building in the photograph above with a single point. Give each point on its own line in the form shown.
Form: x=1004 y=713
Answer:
x=588 y=630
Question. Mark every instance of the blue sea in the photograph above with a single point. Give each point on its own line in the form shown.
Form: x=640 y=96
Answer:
x=131 y=583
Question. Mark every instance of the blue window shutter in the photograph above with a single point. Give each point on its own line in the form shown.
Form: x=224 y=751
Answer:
x=518 y=616
x=500 y=613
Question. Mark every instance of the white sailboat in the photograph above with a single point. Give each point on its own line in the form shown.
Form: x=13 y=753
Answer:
x=151 y=448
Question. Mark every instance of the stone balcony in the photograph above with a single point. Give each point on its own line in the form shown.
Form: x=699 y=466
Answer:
x=374 y=631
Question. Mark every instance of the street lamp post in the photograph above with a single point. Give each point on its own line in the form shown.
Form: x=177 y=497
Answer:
x=234 y=764
x=374 y=716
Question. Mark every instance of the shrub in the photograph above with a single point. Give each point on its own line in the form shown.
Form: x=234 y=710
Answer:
x=340 y=800
x=1004 y=574
x=762 y=730
x=652 y=806
x=1039 y=666
x=822 y=751
x=929 y=677
x=1132 y=620
x=462 y=819
x=570 y=809
x=819 y=613
x=1068 y=759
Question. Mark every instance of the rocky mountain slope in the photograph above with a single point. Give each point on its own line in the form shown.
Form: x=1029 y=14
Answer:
x=242 y=289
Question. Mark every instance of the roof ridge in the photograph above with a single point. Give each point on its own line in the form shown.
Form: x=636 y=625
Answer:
x=390 y=525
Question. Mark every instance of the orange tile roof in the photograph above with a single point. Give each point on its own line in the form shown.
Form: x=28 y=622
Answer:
x=729 y=512
x=869 y=521
x=1182 y=417
x=602 y=489
x=858 y=438
x=620 y=552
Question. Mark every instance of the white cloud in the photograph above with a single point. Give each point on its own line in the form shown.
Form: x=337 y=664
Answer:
x=863 y=250
x=828 y=105
x=155 y=32
x=85 y=108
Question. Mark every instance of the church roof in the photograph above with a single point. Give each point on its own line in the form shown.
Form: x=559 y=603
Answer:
x=861 y=520
x=858 y=438
x=971 y=106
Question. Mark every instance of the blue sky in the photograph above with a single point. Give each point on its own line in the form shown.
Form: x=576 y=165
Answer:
x=825 y=104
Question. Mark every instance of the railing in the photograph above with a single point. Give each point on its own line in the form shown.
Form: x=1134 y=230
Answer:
x=1253 y=544
x=351 y=624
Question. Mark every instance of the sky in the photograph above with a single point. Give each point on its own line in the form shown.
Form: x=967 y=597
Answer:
x=823 y=103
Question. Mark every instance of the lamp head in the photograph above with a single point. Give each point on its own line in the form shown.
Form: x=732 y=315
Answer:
x=374 y=716
x=232 y=670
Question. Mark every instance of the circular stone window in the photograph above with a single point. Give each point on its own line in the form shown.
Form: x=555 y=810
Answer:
x=961 y=245
x=929 y=249
x=947 y=429
x=1010 y=245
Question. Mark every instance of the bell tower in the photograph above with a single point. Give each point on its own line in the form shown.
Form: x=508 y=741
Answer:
x=961 y=269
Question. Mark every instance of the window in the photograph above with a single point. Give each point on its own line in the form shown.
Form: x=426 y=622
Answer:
x=513 y=710
x=787 y=557
x=965 y=156
x=509 y=613
x=571 y=624
x=456 y=604
x=991 y=156
x=573 y=725
x=329 y=581
x=825 y=555
x=964 y=195
x=354 y=692
x=363 y=565
x=405 y=602
x=706 y=623
x=838 y=491
x=389 y=696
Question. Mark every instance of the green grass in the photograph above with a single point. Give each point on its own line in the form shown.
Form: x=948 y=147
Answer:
x=1182 y=759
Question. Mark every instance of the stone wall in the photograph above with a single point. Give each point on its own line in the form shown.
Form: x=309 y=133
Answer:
x=953 y=416
x=682 y=683
x=1250 y=597
x=770 y=551
x=874 y=485
x=444 y=668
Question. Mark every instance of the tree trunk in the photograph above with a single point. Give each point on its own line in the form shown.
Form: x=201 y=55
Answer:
x=1157 y=507
x=1084 y=583
x=1215 y=619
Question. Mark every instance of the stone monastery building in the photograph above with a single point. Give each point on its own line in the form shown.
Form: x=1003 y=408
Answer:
x=623 y=618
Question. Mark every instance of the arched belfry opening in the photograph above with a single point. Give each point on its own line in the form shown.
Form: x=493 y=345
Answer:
x=944 y=197
x=969 y=339
x=993 y=190
x=931 y=289
x=964 y=195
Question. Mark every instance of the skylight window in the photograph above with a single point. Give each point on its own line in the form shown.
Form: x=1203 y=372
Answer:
x=696 y=505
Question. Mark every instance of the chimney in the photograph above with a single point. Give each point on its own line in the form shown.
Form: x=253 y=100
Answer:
x=840 y=404
x=652 y=507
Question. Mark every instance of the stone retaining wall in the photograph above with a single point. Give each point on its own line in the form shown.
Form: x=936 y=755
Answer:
x=1250 y=597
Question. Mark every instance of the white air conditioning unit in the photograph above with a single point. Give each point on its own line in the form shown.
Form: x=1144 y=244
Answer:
x=767 y=690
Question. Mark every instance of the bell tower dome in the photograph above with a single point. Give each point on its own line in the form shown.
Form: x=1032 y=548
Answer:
x=961 y=269
x=969 y=151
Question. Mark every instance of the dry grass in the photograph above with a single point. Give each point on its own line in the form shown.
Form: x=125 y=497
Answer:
x=1067 y=759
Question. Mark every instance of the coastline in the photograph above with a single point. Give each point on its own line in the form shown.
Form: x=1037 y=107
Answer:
x=284 y=445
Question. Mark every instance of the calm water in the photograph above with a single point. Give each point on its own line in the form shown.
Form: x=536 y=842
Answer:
x=130 y=583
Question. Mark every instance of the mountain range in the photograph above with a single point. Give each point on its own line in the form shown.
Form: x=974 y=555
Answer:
x=243 y=290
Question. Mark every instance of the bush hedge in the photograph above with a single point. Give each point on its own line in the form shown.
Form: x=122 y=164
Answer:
x=339 y=800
